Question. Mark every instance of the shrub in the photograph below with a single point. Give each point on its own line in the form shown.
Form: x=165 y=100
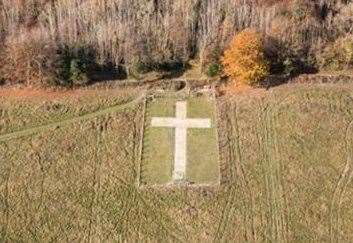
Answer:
x=210 y=57
x=244 y=61
x=337 y=56
x=213 y=70
x=138 y=68
x=78 y=73
x=142 y=67
x=73 y=65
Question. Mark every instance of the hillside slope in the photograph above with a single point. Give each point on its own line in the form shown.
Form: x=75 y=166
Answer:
x=286 y=174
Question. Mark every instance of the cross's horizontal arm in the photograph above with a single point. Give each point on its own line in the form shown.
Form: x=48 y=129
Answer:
x=182 y=123
x=198 y=123
x=163 y=122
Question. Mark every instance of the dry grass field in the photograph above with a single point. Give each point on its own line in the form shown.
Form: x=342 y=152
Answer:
x=288 y=161
x=286 y=171
x=20 y=112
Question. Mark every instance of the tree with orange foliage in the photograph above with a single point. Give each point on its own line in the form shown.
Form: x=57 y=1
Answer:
x=244 y=61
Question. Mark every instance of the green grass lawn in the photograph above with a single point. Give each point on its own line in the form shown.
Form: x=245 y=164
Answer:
x=202 y=154
x=158 y=146
x=202 y=147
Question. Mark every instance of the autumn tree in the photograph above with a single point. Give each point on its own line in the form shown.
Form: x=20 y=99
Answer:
x=244 y=61
x=26 y=61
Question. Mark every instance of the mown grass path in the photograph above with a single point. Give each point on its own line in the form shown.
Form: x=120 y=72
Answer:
x=68 y=121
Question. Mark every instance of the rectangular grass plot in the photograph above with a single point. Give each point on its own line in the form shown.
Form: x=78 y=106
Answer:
x=180 y=142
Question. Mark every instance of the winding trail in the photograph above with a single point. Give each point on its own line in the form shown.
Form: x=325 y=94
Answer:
x=68 y=121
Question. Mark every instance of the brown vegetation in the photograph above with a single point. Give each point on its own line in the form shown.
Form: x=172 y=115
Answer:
x=337 y=55
x=27 y=61
x=152 y=35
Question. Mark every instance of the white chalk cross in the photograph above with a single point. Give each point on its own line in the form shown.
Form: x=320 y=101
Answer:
x=181 y=124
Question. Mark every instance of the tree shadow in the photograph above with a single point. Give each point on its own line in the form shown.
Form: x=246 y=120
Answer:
x=77 y=61
x=107 y=72
x=174 y=69
x=285 y=65
x=276 y=80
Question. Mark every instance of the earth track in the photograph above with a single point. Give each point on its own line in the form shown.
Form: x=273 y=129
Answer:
x=139 y=147
x=93 y=222
x=131 y=201
x=236 y=170
x=65 y=122
x=227 y=209
x=342 y=184
x=275 y=178
x=96 y=188
x=222 y=225
x=244 y=183
x=272 y=170
x=38 y=158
